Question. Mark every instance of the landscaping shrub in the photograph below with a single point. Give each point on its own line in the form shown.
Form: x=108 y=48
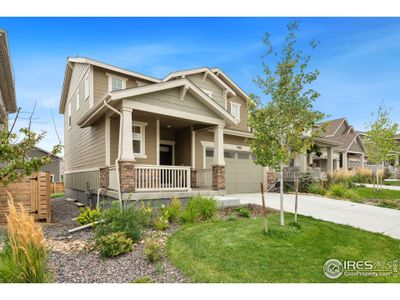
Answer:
x=305 y=180
x=316 y=188
x=363 y=175
x=129 y=221
x=338 y=190
x=173 y=209
x=152 y=249
x=351 y=194
x=147 y=213
x=243 y=212
x=24 y=257
x=199 y=208
x=114 y=244
x=88 y=216
x=161 y=223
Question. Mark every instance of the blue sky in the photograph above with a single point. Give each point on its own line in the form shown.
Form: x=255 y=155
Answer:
x=359 y=58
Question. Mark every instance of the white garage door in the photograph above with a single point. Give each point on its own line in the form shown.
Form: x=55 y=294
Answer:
x=242 y=175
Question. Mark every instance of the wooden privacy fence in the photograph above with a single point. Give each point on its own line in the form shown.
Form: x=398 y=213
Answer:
x=57 y=187
x=32 y=192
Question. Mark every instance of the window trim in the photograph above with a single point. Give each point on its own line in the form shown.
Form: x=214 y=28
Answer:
x=142 y=126
x=69 y=116
x=238 y=105
x=110 y=78
x=87 y=87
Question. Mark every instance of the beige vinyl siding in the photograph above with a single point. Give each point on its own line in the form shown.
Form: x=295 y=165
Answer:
x=150 y=140
x=183 y=147
x=79 y=180
x=171 y=99
x=101 y=81
x=209 y=137
x=78 y=73
x=209 y=85
x=244 y=114
x=356 y=147
x=83 y=147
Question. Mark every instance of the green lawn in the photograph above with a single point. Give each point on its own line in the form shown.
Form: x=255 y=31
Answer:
x=57 y=195
x=382 y=197
x=239 y=251
x=392 y=183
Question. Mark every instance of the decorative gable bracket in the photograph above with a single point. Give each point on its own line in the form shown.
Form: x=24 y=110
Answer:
x=184 y=90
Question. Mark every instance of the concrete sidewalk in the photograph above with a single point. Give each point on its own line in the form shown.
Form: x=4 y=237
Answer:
x=367 y=217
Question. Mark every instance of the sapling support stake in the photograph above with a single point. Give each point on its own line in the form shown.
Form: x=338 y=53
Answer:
x=296 y=184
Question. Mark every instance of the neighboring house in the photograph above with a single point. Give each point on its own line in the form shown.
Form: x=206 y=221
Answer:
x=55 y=168
x=182 y=135
x=8 y=102
x=341 y=147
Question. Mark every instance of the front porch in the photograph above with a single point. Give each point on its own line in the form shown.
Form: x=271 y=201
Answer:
x=158 y=157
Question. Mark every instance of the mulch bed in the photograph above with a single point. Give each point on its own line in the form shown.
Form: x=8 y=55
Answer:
x=72 y=260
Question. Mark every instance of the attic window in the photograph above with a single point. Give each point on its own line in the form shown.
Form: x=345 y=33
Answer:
x=116 y=83
x=235 y=110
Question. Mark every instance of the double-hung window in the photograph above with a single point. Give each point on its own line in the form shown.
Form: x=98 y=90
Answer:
x=235 y=110
x=116 y=83
x=69 y=116
x=86 y=87
x=138 y=139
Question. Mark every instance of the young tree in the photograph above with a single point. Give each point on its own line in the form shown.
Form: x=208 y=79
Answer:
x=285 y=125
x=14 y=153
x=379 y=142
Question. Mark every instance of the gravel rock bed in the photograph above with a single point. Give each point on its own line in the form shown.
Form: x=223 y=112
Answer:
x=72 y=260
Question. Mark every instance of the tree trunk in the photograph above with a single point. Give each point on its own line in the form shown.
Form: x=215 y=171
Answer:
x=296 y=199
x=383 y=173
x=281 y=198
x=264 y=208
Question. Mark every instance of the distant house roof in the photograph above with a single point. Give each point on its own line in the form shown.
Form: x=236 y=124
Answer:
x=7 y=86
x=397 y=136
x=331 y=126
x=345 y=140
x=46 y=152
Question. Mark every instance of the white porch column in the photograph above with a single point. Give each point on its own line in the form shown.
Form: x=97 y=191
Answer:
x=158 y=142
x=344 y=160
x=193 y=148
x=127 y=142
x=329 y=162
x=337 y=164
x=362 y=160
x=219 y=146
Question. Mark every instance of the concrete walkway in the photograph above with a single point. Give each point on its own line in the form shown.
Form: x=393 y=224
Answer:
x=385 y=187
x=367 y=217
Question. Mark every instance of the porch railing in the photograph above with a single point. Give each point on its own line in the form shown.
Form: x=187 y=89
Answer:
x=162 y=178
x=204 y=178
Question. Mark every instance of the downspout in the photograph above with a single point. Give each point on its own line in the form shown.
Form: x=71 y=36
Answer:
x=119 y=150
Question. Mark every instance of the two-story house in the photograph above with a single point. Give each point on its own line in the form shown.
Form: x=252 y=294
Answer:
x=8 y=102
x=134 y=136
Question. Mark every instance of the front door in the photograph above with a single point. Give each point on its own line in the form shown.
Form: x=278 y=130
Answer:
x=165 y=155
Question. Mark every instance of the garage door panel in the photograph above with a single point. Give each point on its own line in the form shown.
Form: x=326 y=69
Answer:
x=241 y=175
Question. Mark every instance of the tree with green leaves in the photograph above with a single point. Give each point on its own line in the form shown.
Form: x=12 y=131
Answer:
x=380 y=145
x=15 y=162
x=284 y=125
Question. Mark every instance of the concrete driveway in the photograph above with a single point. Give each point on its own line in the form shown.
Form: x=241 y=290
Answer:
x=367 y=217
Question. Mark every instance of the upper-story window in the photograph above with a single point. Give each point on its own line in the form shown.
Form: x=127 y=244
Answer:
x=235 y=110
x=116 y=83
x=69 y=116
x=138 y=139
x=87 y=87
x=77 y=100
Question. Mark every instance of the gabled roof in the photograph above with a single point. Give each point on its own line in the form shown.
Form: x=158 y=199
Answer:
x=203 y=70
x=7 y=85
x=397 y=136
x=85 y=60
x=332 y=126
x=227 y=79
x=46 y=152
x=98 y=109
x=346 y=140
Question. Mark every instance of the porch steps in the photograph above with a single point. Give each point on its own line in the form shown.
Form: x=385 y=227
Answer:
x=226 y=201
